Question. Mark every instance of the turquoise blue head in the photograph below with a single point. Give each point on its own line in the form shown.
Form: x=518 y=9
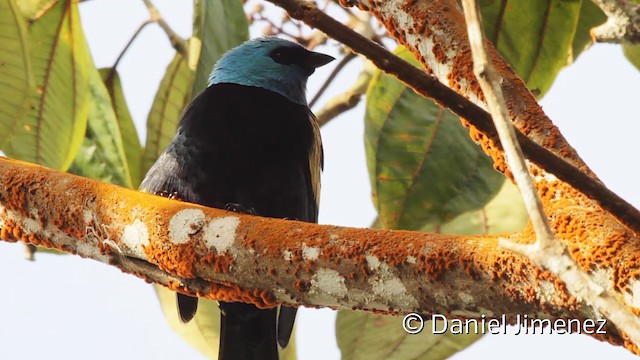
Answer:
x=270 y=63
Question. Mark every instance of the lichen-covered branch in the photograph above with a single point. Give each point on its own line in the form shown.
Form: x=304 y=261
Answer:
x=623 y=22
x=221 y=255
x=546 y=252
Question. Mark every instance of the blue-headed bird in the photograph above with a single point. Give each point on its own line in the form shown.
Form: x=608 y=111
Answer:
x=248 y=142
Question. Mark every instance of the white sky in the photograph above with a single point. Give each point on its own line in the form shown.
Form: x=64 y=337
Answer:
x=64 y=306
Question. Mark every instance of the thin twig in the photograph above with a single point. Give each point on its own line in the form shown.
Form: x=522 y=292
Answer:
x=429 y=86
x=343 y=62
x=113 y=69
x=547 y=252
x=490 y=80
x=177 y=42
x=348 y=99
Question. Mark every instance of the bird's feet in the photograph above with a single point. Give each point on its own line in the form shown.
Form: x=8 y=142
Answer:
x=173 y=196
x=237 y=208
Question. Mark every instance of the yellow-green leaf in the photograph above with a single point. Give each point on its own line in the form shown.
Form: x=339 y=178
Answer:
x=422 y=164
x=218 y=25
x=102 y=155
x=172 y=96
x=16 y=79
x=203 y=332
x=632 y=52
x=53 y=129
x=130 y=139
x=33 y=9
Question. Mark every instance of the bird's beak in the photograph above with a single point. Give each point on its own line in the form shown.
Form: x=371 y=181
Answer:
x=315 y=60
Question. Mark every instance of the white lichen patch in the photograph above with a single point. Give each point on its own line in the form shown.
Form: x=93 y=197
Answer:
x=327 y=287
x=87 y=217
x=220 y=233
x=184 y=224
x=135 y=237
x=287 y=255
x=372 y=262
x=393 y=292
x=602 y=277
x=633 y=299
x=547 y=290
x=466 y=298
x=412 y=260
x=310 y=252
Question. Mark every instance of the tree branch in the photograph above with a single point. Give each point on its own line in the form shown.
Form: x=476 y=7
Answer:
x=623 y=22
x=176 y=41
x=546 y=252
x=543 y=144
x=234 y=257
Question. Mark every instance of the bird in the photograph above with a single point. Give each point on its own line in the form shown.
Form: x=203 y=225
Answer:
x=248 y=143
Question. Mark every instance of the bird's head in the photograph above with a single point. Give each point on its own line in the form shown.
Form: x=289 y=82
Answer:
x=271 y=63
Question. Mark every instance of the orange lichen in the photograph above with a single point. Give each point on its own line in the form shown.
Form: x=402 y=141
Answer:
x=262 y=299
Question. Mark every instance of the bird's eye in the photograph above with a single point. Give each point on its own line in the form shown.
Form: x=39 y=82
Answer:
x=284 y=56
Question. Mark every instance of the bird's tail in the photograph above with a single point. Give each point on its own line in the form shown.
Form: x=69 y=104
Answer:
x=247 y=333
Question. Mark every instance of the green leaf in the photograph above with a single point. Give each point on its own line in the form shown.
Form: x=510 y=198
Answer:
x=218 y=25
x=502 y=214
x=53 y=129
x=34 y=9
x=590 y=16
x=102 y=155
x=369 y=336
x=422 y=164
x=130 y=140
x=632 y=52
x=203 y=332
x=172 y=96
x=534 y=36
x=16 y=79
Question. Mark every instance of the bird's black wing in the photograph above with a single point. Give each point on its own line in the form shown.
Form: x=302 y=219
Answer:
x=249 y=146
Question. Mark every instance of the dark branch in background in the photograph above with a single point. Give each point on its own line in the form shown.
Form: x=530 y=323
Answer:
x=429 y=86
x=343 y=62
x=112 y=71
x=177 y=42
x=623 y=22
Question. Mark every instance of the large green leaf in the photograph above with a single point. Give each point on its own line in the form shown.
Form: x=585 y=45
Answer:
x=102 y=155
x=369 y=336
x=130 y=139
x=504 y=213
x=172 y=96
x=218 y=25
x=590 y=16
x=363 y=335
x=632 y=52
x=53 y=129
x=422 y=164
x=534 y=36
x=16 y=79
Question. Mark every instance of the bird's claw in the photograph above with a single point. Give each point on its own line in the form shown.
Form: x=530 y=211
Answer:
x=237 y=208
x=168 y=195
